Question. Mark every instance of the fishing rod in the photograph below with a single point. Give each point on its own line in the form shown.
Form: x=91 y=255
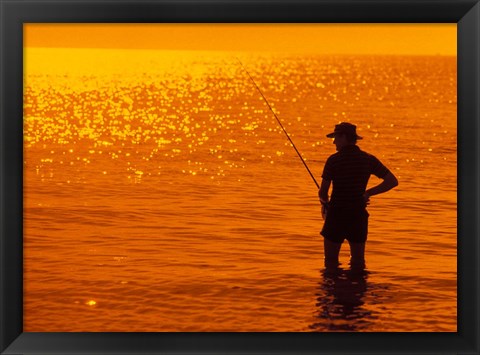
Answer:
x=280 y=123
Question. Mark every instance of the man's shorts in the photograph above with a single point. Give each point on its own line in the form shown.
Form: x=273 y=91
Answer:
x=350 y=224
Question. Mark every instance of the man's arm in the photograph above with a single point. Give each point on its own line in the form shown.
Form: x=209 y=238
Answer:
x=388 y=183
x=323 y=192
x=323 y=195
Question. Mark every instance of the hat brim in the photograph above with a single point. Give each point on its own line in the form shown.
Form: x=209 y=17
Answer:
x=332 y=135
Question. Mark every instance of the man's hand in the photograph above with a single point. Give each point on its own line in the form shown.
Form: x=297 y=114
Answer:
x=324 y=211
x=366 y=198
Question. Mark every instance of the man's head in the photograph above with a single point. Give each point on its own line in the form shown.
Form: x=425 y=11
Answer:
x=345 y=134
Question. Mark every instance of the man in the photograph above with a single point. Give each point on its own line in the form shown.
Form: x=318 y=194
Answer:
x=345 y=213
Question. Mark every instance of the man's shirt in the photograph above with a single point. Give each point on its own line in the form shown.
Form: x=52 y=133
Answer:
x=349 y=170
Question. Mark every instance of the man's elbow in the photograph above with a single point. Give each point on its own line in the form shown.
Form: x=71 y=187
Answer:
x=392 y=180
x=395 y=183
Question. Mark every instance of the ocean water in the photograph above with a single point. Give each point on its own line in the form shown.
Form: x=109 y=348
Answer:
x=161 y=195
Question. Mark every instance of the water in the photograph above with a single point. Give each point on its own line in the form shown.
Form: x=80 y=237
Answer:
x=160 y=193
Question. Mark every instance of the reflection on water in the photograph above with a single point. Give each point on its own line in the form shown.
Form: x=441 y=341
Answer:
x=340 y=300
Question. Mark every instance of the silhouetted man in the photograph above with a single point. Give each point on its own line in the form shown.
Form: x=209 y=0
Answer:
x=345 y=212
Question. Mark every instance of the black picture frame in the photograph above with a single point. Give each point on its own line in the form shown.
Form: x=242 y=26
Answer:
x=14 y=13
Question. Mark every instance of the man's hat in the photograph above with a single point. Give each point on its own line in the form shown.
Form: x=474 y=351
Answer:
x=345 y=128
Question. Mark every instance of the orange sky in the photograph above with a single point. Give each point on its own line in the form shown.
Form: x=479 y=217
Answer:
x=414 y=39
